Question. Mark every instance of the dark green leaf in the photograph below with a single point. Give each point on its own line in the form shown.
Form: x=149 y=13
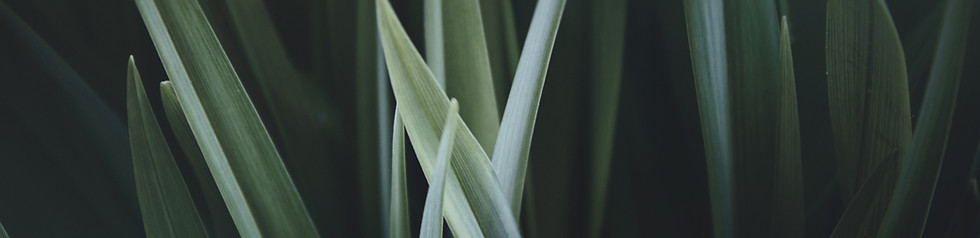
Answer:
x=861 y=215
x=706 y=34
x=245 y=164
x=909 y=206
x=498 y=23
x=787 y=220
x=166 y=205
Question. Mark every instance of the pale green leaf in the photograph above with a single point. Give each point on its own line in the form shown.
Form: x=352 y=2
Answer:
x=165 y=203
x=909 y=206
x=514 y=141
x=435 y=47
x=221 y=221
x=867 y=88
x=475 y=206
x=398 y=225
x=432 y=212
x=3 y=232
x=244 y=162
x=787 y=218
x=467 y=65
x=706 y=34
x=608 y=33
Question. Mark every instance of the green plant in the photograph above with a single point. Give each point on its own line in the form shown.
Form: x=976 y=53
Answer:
x=272 y=145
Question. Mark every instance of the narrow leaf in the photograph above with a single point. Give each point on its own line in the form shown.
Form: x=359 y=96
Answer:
x=514 y=141
x=243 y=160
x=859 y=216
x=3 y=232
x=435 y=46
x=166 y=205
x=475 y=205
x=909 y=206
x=432 y=212
x=868 y=90
x=218 y=211
x=608 y=33
x=787 y=218
x=399 y=188
x=467 y=64
x=706 y=34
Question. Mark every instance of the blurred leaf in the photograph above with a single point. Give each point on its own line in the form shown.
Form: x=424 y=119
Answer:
x=475 y=200
x=432 y=213
x=860 y=216
x=3 y=232
x=498 y=24
x=221 y=221
x=165 y=202
x=373 y=119
x=868 y=92
x=706 y=34
x=752 y=42
x=399 y=189
x=909 y=206
x=435 y=46
x=608 y=25
x=511 y=153
x=468 y=74
x=238 y=149
x=787 y=220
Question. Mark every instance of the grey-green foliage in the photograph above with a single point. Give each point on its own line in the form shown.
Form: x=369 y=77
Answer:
x=706 y=34
x=476 y=206
x=398 y=223
x=165 y=203
x=909 y=206
x=432 y=212
x=514 y=141
x=221 y=223
x=244 y=162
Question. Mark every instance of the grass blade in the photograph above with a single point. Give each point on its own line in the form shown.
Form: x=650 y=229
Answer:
x=398 y=225
x=373 y=117
x=432 y=213
x=166 y=205
x=752 y=38
x=608 y=33
x=514 y=143
x=909 y=206
x=3 y=232
x=788 y=191
x=476 y=206
x=498 y=24
x=435 y=46
x=221 y=221
x=869 y=101
x=468 y=74
x=860 y=216
x=235 y=143
x=706 y=34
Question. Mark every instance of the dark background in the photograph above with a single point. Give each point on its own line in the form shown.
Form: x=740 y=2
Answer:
x=65 y=168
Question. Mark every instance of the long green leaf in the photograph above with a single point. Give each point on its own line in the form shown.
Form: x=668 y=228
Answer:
x=398 y=225
x=373 y=117
x=787 y=218
x=166 y=205
x=752 y=39
x=221 y=221
x=498 y=24
x=432 y=212
x=514 y=143
x=909 y=206
x=608 y=33
x=468 y=75
x=475 y=206
x=867 y=88
x=243 y=160
x=860 y=217
x=706 y=34
x=435 y=46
